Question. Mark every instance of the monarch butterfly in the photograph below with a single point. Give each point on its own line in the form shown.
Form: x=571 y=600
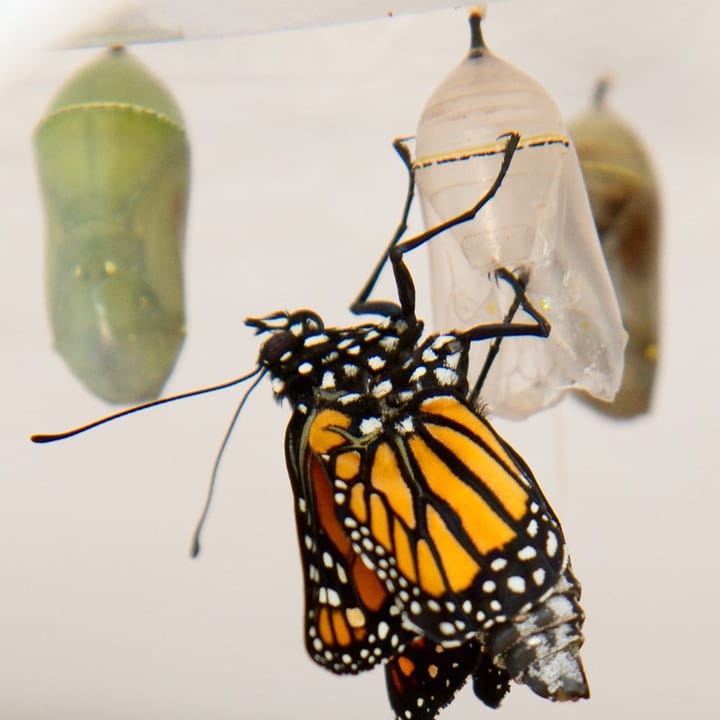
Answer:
x=624 y=197
x=542 y=224
x=426 y=543
x=113 y=162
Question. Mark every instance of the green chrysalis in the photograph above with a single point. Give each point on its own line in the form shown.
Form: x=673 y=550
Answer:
x=114 y=168
x=625 y=202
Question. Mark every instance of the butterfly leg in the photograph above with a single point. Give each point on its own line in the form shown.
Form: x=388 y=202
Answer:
x=403 y=278
x=541 y=328
x=398 y=247
x=361 y=305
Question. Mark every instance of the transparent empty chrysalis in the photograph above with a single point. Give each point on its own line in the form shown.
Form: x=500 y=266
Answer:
x=114 y=167
x=538 y=224
x=625 y=203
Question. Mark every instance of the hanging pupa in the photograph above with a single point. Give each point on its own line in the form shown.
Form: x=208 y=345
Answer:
x=624 y=198
x=539 y=225
x=114 y=168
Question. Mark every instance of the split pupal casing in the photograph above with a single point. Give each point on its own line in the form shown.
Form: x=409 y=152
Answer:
x=538 y=224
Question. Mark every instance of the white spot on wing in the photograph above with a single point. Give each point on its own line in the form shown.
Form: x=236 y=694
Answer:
x=527 y=553
x=446 y=628
x=370 y=426
x=516 y=584
x=355 y=617
x=551 y=543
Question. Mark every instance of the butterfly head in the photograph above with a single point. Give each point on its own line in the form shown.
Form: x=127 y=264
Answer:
x=284 y=354
x=287 y=332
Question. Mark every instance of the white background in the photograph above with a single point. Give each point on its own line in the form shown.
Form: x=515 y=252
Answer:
x=295 y=191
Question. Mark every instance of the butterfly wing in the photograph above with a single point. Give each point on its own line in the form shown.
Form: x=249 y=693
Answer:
x=490 y=683
x=445 y=512
x=425 y=677
x=351 y=620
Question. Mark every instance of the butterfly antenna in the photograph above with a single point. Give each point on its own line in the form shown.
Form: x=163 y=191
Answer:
x=195 y=549
x=44 y=438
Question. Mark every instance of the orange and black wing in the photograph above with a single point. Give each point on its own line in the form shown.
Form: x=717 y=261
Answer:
x=425 y=677
x=351 y=620
x=490 y=683
x=445 y=512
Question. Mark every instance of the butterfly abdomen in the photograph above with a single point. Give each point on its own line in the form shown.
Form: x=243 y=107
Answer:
x=541 y=647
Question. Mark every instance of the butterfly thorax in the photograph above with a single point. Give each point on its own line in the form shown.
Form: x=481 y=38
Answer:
x=381 y=365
